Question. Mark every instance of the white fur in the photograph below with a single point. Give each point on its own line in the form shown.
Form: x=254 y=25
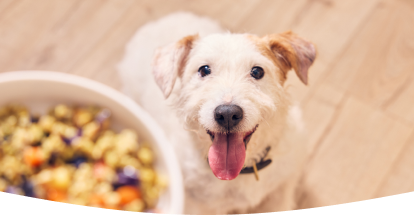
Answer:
x=187 y=113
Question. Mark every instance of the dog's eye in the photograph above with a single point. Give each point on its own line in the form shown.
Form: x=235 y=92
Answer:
x=257 y=72
x=204 y=70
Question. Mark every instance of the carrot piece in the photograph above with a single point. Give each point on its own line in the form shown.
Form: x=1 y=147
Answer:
x=33 y=156
x=127 y=194
x=56 y=195
x=97 y=200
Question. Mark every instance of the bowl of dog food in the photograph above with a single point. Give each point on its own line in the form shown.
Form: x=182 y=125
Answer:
x=69 y=139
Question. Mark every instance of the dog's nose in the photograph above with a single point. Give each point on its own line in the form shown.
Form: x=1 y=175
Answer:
x=228 y=116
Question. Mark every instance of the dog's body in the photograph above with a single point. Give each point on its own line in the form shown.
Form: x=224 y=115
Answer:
x=187 y=115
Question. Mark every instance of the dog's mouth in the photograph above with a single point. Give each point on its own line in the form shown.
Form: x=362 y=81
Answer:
x=226 y=155
x=246 y=137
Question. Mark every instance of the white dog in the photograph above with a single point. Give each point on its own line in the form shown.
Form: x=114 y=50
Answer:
x=223 y=105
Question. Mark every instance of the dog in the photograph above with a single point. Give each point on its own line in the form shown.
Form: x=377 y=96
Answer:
x=221 y=100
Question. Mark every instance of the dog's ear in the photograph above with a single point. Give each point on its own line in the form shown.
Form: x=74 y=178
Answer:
x=169 y=63
x=292 y=52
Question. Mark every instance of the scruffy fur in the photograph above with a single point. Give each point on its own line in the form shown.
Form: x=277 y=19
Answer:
x=183 y=102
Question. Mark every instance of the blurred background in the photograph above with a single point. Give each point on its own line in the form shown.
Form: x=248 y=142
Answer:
x=359 y=105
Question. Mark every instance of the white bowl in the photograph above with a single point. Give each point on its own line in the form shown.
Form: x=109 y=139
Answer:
x=39 y=91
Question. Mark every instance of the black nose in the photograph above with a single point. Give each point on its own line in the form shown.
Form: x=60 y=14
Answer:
x=228 y=116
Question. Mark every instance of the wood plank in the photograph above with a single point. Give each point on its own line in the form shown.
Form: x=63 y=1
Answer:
x=7 y=4
x=320 y=113
x=358 y=106
x=269 y=17
x=400 y=179
x=379 y=62
x=331 y=25
x=402 y=104
x=409 y=3
x=23 y=24
x=63 y=45
x=328 y=23
x=100 y=62
x=228 y=12
x=354 y=157
x=353 y=61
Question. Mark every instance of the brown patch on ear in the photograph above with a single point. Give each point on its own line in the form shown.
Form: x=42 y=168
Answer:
x=289 y=51
x=293 y=52
x=187 y=43
x=264 y=49
x=169 y=63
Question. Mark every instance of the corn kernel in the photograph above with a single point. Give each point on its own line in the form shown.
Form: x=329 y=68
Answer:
x=137 y=205
x=46 y=122
x=35 y=133
x=20 y=138
x=126 y=141
x=111 y=159
x=104 y=143
x=113 y=171
x=70 y=132
x=53 y=143
x=24 y=120
x=79 y=188
x=45 y=176
x=130 y=161
x=7 y=129
x=103 y=187
x=90 y=130
x=111 y=199
x=63 y=112
x=84 y=145
x=61 y=178
x=81 y=117
x=58 y=128
x=145 y=156
x=147 y=175
x=11 y=120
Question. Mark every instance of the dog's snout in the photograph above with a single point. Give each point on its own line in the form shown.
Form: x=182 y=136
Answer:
x=228 y=116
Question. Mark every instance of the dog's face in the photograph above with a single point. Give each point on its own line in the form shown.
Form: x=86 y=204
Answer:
x=229 y=84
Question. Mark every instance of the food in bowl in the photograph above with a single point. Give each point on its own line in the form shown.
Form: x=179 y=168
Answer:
x=72 y=155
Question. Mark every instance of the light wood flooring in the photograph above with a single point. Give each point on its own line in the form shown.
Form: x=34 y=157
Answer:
x=359 y=105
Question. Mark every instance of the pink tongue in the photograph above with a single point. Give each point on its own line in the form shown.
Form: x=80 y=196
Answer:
x=226 y=155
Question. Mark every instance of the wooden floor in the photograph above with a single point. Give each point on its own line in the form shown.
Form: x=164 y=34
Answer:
x=359 y=105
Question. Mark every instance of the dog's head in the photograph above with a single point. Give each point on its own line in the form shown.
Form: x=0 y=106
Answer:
x=229 y=84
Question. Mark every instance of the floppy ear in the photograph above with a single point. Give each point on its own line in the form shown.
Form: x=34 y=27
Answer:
x=293 y=52
x=169 y=62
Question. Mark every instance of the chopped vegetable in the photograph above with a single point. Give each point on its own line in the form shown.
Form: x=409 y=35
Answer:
x=71 y=155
